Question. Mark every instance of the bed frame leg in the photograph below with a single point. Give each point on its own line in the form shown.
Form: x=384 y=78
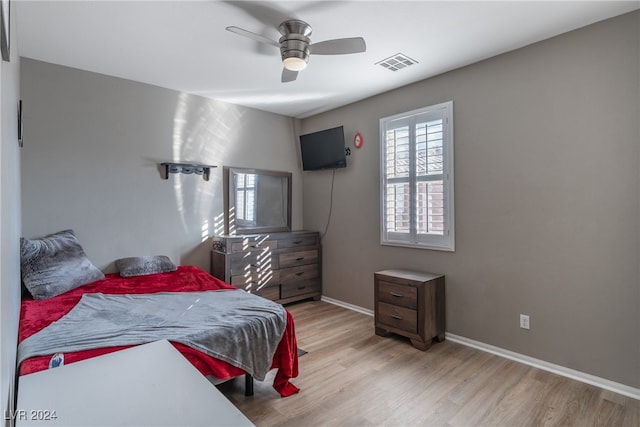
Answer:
x=248 y=385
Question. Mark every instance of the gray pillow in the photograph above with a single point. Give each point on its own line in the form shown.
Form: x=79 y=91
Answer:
x=55 y=264
x=143 y=265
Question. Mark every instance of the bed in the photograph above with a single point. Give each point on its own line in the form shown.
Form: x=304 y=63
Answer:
x=37 y=314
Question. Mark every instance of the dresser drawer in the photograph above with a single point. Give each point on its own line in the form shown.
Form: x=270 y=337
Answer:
x=300 y=288
x=269 y=292
x=298 y=274
x=253 y=280
x=397 y=294
x=251 y=243
x=250 y=261
x=292 y=259
x=299 y=241
x=402 y=318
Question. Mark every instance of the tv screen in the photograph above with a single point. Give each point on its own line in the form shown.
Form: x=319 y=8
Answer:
x=323 y=150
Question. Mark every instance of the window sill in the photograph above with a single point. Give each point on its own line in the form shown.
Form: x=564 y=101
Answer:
x=420 y=246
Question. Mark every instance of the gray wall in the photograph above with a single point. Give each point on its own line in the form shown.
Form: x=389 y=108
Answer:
x=9 y=219
x=91 y=158
x=546 y=195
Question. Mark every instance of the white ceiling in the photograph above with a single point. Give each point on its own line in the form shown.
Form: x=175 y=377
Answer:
x=183 y=45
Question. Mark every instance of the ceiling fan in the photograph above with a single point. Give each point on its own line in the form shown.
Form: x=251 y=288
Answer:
x=295 y=46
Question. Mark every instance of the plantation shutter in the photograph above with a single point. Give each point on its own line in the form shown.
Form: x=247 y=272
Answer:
x=417 y=190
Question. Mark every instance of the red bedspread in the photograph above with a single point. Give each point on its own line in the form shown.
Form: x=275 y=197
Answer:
x=37 y=314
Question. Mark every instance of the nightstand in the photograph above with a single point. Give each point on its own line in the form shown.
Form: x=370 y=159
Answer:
x=411 y=304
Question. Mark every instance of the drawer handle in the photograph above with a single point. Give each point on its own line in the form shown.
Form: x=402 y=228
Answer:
x=397 y=317
x=300 y=259
x=255 y=246
x=297 y=242
x=395 y=294
x=301 y=287
x=254 y=265
x=300 y=274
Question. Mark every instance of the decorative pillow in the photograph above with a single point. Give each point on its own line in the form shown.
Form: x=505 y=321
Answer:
x=55 y=264
x=143 y=265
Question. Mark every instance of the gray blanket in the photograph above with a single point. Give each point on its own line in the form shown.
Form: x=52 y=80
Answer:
x=231 y=325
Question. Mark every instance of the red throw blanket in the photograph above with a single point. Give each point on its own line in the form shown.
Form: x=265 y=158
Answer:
x=35 y=315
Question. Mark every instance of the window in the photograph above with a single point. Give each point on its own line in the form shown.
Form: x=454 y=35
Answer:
x=417 y=178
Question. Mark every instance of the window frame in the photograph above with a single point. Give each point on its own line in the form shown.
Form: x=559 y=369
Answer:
x=446 y=241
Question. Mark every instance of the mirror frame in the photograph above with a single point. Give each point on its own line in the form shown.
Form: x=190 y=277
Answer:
x=230 y=200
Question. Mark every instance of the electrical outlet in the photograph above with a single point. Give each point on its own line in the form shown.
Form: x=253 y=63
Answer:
x=524 y=321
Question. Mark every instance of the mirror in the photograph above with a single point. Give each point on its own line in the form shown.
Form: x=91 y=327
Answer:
x=257 y=201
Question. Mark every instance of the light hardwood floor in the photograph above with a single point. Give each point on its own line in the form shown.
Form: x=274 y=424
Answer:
x=351 y=377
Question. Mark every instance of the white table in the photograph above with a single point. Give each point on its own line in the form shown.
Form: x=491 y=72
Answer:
x=146 y=385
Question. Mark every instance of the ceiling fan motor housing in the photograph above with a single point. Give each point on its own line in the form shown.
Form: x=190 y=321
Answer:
x=296 y=47
x=294 y=42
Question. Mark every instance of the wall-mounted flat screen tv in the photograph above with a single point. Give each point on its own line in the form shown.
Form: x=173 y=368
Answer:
x=323 y=150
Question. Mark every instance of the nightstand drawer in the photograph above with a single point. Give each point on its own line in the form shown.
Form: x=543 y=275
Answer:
x=396 y=294
x=398 y=317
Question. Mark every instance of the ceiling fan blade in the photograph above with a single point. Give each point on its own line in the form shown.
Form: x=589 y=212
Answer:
x=254 y=36
x=288 y=75
x=339 y=46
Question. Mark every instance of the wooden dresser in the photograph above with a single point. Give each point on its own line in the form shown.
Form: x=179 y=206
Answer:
x=411 y=304
x=283 y=267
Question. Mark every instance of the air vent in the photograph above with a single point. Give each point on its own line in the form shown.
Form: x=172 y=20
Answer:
x=397 y=62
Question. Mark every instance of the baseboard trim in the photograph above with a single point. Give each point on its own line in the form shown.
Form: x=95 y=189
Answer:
x=603 y=383
x=549 y=367
x=347 y=305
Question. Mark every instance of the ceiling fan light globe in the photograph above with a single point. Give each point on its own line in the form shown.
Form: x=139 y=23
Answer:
x=294 y=63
